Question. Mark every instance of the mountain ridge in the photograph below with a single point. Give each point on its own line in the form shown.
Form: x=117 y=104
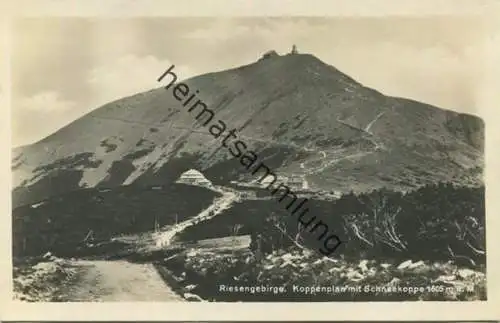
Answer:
x=309 y=121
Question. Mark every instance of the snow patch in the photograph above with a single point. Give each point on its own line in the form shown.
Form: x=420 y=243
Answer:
x=143 y=164
x=34 y=206
x=93 y=176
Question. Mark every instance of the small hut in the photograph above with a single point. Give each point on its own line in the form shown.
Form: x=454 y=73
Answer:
x=193 y=177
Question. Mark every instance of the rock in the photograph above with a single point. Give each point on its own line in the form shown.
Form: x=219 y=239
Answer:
x=330 y=260
x=275 y=260
x=307 y=253
x=41 y=266
x=363 y=265
x=190 y=287
x=465 y=273
x=372 y=272
x=287 y=256
x=289 y=263
x=334 y=269
x=394 y=282
x=317 y=262
x=445 y=278
x=416 y=264
x=385 y=266
x=286 y=264
x=192 y=297
x=405 y=264
x=59 y=261
x=354 y=276
x=169 y=258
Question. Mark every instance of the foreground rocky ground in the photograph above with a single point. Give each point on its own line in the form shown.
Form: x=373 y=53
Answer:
x=41 y=279
x=58 y=280
x=214 y=269
x=300 y=273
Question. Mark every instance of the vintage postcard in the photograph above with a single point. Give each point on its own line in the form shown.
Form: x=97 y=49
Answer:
x=194 y=159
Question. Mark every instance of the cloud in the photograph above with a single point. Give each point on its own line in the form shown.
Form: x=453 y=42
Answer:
x=121 y=77
x=436 y=75
x=129 y=75
x=40 y=115
x=219 y=30
x=431 y=60
x=46 y=102
x=487 y=93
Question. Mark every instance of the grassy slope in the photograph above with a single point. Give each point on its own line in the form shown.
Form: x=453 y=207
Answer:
x=60 y=224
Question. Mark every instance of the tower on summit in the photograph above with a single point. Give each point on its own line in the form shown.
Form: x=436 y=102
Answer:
x=294 y=50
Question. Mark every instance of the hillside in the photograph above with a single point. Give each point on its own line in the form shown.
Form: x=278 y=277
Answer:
x=429 y=221
x=65 y=224
x=308 y=119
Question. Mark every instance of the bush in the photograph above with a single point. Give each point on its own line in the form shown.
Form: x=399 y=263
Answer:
x=439 y=222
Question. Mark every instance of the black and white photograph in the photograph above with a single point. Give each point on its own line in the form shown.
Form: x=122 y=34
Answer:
x=248 y=159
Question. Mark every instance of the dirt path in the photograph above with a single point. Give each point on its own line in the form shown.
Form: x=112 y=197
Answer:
x=220 y=204
x=118 y=281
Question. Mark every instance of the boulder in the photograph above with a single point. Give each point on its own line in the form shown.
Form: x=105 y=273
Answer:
x=363 y=265
x=416 y=264
x=191 y=287
x=193 y=297
x=404 y=264
x=465 y=273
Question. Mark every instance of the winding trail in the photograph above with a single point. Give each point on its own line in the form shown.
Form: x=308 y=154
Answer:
x=120 y=280
x=220 y=204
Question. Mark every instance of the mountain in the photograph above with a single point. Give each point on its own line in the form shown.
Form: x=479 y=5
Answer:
x=309 y=121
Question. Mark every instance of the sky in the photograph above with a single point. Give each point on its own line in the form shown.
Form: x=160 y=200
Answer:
x=62 y=68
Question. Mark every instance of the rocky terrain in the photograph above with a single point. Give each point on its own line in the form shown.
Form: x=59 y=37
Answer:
x=204 y=272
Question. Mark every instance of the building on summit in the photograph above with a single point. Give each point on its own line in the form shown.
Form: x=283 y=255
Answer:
x=269 y=54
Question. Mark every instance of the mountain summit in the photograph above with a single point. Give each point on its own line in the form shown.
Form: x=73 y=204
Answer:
x=312 y=123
